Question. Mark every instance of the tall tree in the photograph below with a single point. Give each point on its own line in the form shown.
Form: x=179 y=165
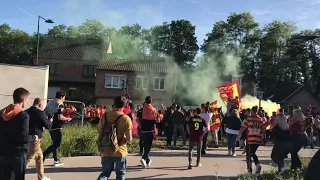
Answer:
x=273 y=45
x=177 y=40
x=239 y=34
x=16 y=46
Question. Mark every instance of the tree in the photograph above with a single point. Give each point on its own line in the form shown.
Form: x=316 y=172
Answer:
x=238 y=34
x=273 y=67
x=16 y=46
x=177 y=40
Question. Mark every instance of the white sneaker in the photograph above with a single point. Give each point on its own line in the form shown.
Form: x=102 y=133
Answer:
x=45 y=178
x=199 y=165
x=149 y=164
x=58 y=163
x=143 y=163
x=234 y=155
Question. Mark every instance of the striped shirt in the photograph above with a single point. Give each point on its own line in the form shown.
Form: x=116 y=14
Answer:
x=254 y=126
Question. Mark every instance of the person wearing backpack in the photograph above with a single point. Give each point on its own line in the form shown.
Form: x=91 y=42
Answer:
x=115 y=131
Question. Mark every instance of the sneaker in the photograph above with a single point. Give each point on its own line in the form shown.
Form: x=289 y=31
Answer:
x=199 y=165
x=234 y=154
x=149 y=164
x=229 y=153
x=45 y=178
x=143 y=163
x=244 y=151
x=190 y=166
x=258 y=169
x=282 y=170
x=58 y=163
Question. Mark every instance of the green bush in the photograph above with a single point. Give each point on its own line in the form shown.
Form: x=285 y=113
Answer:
x=82 y=140
x=288 y=175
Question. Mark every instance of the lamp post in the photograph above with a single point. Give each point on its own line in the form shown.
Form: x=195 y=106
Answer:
x=38 y=36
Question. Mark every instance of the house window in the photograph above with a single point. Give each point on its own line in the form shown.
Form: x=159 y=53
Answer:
x=142 y=82
x=158 y=84
x=88 y=70
x=114 y=81
x=53 y=68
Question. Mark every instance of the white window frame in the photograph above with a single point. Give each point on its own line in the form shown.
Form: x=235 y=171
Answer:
x=143 y=78
x=112 y=76
x=164 y=85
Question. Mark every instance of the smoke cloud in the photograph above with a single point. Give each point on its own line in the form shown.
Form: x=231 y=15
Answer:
x=197 y=84
x=248 y=101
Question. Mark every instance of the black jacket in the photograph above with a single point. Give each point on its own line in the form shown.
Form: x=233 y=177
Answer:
x=313 y=168
x=177 y=117
x=14 y=134
x=37 y=122
x=232 y=122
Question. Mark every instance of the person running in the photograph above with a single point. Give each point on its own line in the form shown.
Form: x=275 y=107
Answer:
x=38 y=121
x=298 y=127
x=196 y=127
x=178 y=120
x=233 y=125
x=14 y=136
x=149 y=117
x=56 y=135
x=206 y=116
x=255 y=127
x=282 y=141
x=114 y=154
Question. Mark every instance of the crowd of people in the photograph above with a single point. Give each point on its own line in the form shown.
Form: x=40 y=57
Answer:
x=21 y=132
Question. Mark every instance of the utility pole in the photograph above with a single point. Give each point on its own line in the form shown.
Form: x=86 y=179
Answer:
x=260 y=97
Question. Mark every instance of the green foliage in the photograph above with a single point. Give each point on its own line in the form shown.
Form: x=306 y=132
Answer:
x=288 y=175
x=268 y=56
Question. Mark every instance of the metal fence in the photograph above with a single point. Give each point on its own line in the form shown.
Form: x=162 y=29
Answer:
x=6 y=99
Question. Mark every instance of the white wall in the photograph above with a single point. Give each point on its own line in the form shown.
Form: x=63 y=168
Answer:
x=34 y=79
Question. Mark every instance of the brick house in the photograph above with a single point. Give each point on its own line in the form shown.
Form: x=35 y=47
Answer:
x=72 y=64
x=295 y=94
x=79 y=67
x=139 y=76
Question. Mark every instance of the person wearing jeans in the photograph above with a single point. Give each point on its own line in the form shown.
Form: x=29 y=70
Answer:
x=298 y=127
x=282 y=141
x=116 y=160
x=147 y=139
x=149 y=117
x=233 y=124
x=56 y=136
x=179 y=121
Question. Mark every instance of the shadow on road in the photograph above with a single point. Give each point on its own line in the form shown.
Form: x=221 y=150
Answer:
x=179 y=154
x=32 y=170
x=186 y=178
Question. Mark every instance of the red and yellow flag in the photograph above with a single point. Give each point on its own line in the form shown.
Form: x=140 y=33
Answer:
x=215 y=121
x=230 y=90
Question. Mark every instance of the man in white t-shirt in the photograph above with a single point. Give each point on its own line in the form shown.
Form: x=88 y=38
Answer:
x=206 y=116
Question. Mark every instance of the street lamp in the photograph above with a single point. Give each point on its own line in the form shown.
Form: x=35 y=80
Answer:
x=38 y=36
